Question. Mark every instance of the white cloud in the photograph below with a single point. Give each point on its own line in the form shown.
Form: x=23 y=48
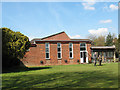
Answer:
x=99 y=31
x=106 y=21
x=113 y=7
x=76 y=36
x=89 y=5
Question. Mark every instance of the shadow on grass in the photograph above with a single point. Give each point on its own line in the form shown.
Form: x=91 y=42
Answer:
x=19 y=67
x=22 y=69
x=91 y=79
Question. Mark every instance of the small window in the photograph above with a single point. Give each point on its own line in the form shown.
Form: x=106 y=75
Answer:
x=47 y=50
x=59 y=50
x=71 y=50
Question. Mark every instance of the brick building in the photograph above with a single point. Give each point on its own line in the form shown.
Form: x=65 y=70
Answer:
x=58 y=49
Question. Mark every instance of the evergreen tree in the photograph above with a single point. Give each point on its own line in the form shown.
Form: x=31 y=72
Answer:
x=109 y=40
x=14 y=46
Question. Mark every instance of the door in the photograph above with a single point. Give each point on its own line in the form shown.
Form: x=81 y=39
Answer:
x=83 y=57
x=83 y=53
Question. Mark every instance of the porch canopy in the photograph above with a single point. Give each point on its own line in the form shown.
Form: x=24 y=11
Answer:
x=102 y=48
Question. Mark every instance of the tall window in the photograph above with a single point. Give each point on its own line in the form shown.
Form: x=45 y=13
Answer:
x=82 y=47
x=47 y=51
x=59 y=50
x=71 y=50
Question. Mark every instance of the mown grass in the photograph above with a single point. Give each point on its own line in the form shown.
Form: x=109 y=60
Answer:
x=64 y=76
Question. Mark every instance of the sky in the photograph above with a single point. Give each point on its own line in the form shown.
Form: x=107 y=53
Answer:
x=77 y=19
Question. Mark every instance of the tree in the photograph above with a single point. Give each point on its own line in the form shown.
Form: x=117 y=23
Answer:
x=119 y=44
x=14 y=46
x=109 y=40
x=97 y=40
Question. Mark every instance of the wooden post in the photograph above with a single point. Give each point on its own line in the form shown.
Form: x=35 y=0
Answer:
x=114 y=57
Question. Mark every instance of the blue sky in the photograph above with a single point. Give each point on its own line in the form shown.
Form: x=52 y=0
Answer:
x=77 y=19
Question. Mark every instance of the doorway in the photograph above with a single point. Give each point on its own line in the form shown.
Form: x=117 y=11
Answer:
x=83 y=57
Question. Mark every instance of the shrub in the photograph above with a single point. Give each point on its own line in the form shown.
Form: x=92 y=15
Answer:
x=41 y=62
x=14 y=46
x=65 y=61
x=78 y=61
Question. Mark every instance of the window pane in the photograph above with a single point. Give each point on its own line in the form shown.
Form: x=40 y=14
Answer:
x=82 y=44
x=59 y=55
x=58 y=44
x=81 y=49
x=70 y=54
x=47 y=55
x=70 y=49
x=70 y=44
x=47 y=49
x=81 y=55
x=111 y=54
x=59 y=49
x=46 y=45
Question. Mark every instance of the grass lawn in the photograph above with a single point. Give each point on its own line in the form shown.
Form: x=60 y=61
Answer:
x=64 y=76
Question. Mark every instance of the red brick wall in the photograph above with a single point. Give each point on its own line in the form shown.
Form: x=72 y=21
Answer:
x=89 y=51
x=53 y=53
x=36 y=54
x=76 y=51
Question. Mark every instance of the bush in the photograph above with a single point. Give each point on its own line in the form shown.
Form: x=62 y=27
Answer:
x=14 y=46
x=78 y=61
x=41 y=62
x=65 y=61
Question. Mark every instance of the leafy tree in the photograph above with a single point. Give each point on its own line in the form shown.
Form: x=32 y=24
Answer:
x=14 y=46
x=97 y=40
x=119 y=44
x=109 y=40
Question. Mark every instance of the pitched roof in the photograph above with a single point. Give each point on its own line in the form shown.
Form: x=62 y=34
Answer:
x=52 y=35
x=42 y=39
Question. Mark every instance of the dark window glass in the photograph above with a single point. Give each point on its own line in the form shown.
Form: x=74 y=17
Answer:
x=59 y=49
x=81 y=54
x=47 y=55
x=59 y=55
x=70 y=49
x=81 y=49
x=70 y=54
x=82 y=44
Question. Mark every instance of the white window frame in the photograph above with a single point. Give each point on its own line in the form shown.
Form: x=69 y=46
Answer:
x=83 y=46
x=84 y=51
x=71 y=51
x=59 y=51
x=48 y=49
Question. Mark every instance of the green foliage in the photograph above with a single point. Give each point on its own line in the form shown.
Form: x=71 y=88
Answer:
x=99 y=41
x=14 y=46
x=109 y=40
x=118 y=44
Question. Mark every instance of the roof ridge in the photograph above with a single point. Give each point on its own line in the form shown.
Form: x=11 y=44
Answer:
x=53 y=35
